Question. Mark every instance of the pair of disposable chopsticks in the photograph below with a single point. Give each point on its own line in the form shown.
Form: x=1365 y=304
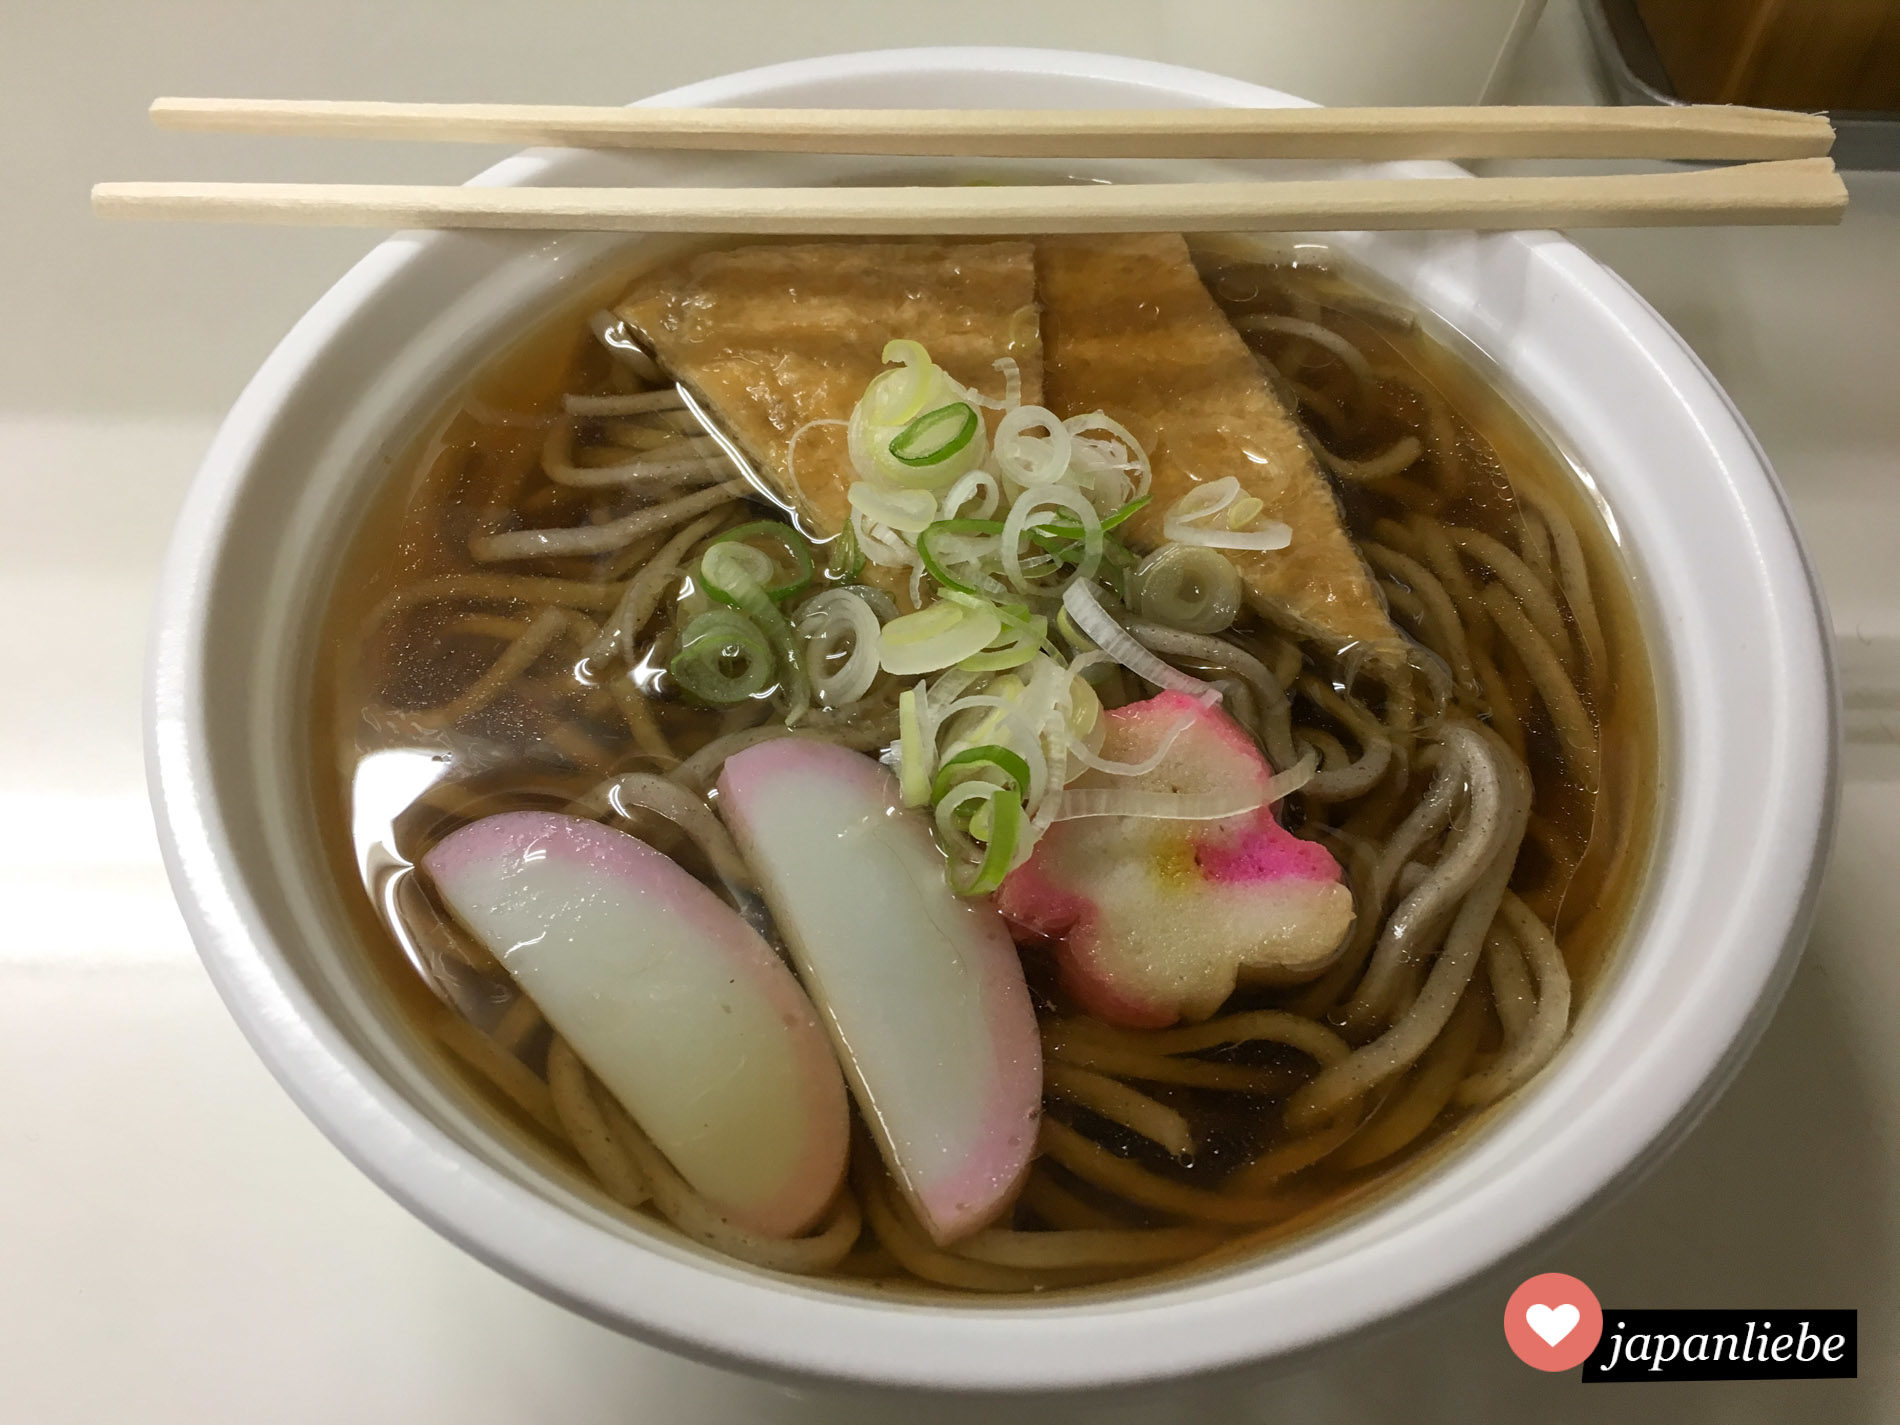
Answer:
x=1777 y=172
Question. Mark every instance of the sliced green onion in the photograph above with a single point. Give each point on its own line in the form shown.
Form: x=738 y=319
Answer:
x=938 y=635
x=936 y=435
x=937 y=617
x=844 y=560
x=897 y=434
x=716 y=567
x=1028 y=632
x=724 y=565
x=933 y=564
x=978 y=601
x=1190 y=519
x=1218 y=805
x=1064 y=549
x=746 y=594
x=1005 y=829
x=834 y=621
x=882 y=604
x=1037 y=565
x=1077 y=640
x=978 y=485
x=1189 y=587
x=1245 y=511
x=1032 y=459
x=1131 y=448
x=1064 y=539
x=893 y=397
x=1085 y=708
x=1023 y=522
x=913 y=755
x=1114 y=640
x=1072 y=529
x=904 y=510
x=1010 y=764
x=710 y=646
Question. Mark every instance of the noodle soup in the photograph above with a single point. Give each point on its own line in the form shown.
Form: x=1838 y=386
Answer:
x=1155 y=741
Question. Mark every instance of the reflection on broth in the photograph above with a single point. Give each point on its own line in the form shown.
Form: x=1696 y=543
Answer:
x=1034 y=765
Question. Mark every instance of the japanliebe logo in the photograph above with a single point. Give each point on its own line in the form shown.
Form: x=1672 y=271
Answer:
x=1554 y=1323
x=1704 y=1344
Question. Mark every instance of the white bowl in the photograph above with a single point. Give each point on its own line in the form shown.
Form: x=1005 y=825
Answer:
x=1735 y=629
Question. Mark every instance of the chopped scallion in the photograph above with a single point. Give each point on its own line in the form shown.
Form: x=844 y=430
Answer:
x=933 y=563
x=973 y=760
x=723 y=658
x=936 y=435
x=783 y=584
x=1004 y=830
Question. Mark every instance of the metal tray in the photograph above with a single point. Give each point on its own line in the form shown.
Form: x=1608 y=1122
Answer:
x=1863 y=138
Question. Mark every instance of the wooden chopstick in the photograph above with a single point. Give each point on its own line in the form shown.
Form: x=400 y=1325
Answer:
x=1531 y=131
x=1803 y=190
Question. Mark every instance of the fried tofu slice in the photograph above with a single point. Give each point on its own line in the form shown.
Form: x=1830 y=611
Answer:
x=776 y=336
x=1129 y=329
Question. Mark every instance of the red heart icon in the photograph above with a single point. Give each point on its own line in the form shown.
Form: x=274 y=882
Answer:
x=1553 y=1322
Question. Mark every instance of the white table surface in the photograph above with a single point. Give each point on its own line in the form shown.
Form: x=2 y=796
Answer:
x=178 y=1244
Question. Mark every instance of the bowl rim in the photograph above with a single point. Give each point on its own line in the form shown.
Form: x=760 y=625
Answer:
x=724 y=1316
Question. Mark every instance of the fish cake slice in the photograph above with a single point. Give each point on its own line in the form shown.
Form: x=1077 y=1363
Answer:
x=1128 y=328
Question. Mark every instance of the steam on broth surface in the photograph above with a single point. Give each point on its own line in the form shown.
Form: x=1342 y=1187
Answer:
x=1291 y=902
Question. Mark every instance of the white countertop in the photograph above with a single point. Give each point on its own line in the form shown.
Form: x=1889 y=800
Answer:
x=179 y=1244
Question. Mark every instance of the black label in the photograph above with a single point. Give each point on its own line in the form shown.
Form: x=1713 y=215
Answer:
x=1724 y=1345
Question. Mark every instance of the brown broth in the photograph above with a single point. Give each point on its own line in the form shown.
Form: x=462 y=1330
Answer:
x=553 y=734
